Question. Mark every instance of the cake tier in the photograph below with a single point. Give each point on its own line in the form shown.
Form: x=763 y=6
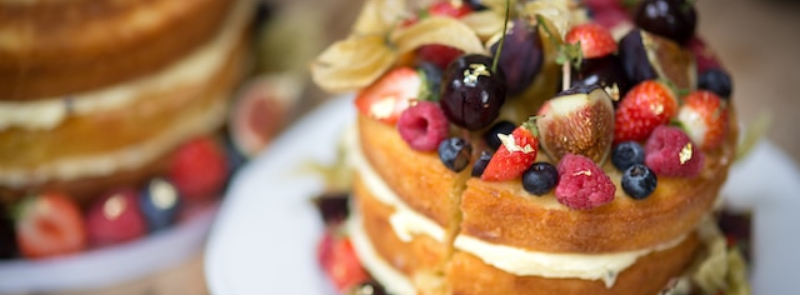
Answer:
x=57 y=48
x=503 y=213
x=124 y=133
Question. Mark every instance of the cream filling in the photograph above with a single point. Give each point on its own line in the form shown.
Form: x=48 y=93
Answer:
x=394 y=281
x=197 y=68
x=406 y=222
x=129 y=158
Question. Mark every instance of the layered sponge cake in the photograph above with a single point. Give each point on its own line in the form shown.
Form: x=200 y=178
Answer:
x=549 y=159
x=96 y=94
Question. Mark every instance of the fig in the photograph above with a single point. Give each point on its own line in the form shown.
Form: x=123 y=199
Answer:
x=522 y=56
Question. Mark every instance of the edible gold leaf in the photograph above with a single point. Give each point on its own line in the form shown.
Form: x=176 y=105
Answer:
x=437 y=30
x=556 y=11
x=378 y=16
x=353 y=63
x=485 y=23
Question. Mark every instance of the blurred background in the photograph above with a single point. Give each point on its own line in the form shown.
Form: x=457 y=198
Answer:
x=757 y=40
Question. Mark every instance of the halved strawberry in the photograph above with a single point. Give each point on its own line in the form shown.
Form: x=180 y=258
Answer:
x=50 y=224
x=594 y=39
x=705 y=118
x=515 y=155
x=646 y=106
x=388 y=97
x=339 y=261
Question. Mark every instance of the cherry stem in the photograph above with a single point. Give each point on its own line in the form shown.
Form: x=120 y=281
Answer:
x=502 y=38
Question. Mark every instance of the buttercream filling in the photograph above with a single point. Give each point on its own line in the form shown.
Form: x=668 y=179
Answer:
x=406 y=223
x=197 y=68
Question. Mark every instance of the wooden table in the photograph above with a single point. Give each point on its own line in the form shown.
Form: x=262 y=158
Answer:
x=757 y=40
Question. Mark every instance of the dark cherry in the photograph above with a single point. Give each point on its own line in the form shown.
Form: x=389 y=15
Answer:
x=716 y=80
x=605 y=72
x=367 y=288
x=472 y=93
x=522 y=56
x=673 y=19
x=476 y=5
x=633 y=56
x=8 y=241
x=332 y=207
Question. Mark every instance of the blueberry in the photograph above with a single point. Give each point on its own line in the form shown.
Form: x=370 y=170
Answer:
x=455 y=153
x=639 y=181
x=716 y=80
x=502 y=127
x=627 y=154
x=432 y=79
x=480 y=164
x=540 y=178
x=159 y=201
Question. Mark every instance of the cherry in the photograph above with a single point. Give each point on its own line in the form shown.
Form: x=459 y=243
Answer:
x=472 y=93
x=673 y=19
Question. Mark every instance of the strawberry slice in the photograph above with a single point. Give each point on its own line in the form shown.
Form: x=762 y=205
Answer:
x=515 y=155
x=594 y=39
x=50 y=225
x=388 y=97
x=646 y=106
x=339 y=261
x=705 y=118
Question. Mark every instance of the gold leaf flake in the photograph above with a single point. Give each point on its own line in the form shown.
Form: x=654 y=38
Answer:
x=685 y=154
x=437 y=30
x=353 y=63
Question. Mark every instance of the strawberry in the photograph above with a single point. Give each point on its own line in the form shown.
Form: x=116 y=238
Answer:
x=646 y=106
x=455 y=9
x=50 y=224
x=594 y=39
x=115 y=218
x=388 y=97
x=704 y=115
x=199 y=169
x=515 y=155
x=441 y=55
x=339 y=261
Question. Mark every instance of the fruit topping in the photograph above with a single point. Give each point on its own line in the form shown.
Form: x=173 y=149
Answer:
x=390 y=96
x=716 y=80
x=704 y=56
x=647 y=106
x=455 y=153
x=199 y=169
x=367 y=288
x=626 y=154
x=159 y=203
x=522 y=57
x=431 y=76
x=473 y=92
x=578 y=121
x=705 y=118
x=8 y=242
x=646 y=56
x=260 y=111
x=540 y=178
x=515 y=155
x=480 y=163
x=454 y=9
x=595 y=40
x=492 y=135
x=638 y=181
x=671 y=153
x=115 y=218
x=582 y=184
x=606 y=72
x=423 y=126
x=673 y=19
x=49 y=224
x=333 y=207
x=339 y=262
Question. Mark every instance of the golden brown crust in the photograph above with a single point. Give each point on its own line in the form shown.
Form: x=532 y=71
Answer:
x=468 y=275
x=62 y=47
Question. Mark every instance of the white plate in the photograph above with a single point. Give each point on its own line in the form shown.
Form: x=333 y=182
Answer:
x=265 y=236
x=110 y=266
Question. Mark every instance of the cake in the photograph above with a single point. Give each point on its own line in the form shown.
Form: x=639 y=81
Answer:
x=552 y=159
x=99 y=95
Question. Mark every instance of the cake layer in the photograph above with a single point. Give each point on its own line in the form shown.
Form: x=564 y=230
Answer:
x=503 y=213
x=56 y=48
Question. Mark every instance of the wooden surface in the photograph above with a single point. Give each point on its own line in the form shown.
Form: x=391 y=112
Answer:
x=757 y=40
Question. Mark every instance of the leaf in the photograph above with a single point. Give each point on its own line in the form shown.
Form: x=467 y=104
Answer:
x=437 y=30
x=485 y=23
x=556 y=11
x=379 y=16
x=353 y=63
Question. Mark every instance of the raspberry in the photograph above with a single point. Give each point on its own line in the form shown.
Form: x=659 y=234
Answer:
x=671 y=153
x=199 y=169
x=582 y=184
x=423 y=126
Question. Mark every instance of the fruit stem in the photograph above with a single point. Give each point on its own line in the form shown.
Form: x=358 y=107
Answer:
x=502 y=38
x=566 y=76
